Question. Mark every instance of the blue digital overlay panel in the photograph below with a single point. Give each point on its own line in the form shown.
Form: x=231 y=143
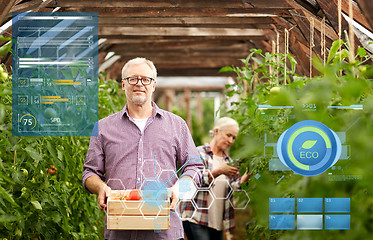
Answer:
x=337 y=205
x=281 y=222
x=337 y=222
x=309 y=222
x=282 y=205
x=309 y=205
x=309 y=148
x=55 y=74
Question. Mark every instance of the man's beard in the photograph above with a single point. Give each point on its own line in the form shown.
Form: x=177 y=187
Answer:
x=139 y=100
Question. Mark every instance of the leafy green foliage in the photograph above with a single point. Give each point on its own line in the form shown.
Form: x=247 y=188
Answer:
x=342 y=82
x=35 y=204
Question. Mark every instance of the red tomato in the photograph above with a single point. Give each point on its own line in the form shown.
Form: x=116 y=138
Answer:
x=134 y=195
x=52 y=171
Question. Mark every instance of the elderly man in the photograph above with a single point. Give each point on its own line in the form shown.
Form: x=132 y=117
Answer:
x=138 y=138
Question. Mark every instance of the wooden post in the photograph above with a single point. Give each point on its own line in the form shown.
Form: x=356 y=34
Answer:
x=199 y=107
x=255 y=80
x=169 y=95
x=245 y=88
x=187 y=94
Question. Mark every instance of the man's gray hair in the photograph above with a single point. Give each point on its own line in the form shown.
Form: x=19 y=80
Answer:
x=139 y=60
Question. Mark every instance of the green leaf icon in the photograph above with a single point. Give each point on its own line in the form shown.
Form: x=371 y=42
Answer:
x=308 y=144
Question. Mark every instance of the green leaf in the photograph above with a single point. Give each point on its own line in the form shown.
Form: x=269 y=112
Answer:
x=308 y=144
x=2 y=38
x=9 y=218
x=226 y=69
x=4 y=194
x=51 y=150
x=33 y=154
x=5 y=48
x=361 y=52
x=334 y=49
x=36 y=204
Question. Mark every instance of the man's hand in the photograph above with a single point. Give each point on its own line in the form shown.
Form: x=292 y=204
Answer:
x=175 y=191
x=95 y=185
x=102 y=195
x=174 y=199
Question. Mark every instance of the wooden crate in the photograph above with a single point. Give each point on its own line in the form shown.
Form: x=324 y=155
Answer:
x=136 y=215
x=138 y=223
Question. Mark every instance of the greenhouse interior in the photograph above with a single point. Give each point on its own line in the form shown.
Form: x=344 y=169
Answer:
x=194 y=120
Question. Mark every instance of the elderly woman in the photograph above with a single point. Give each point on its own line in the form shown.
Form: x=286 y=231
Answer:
x=207 y=222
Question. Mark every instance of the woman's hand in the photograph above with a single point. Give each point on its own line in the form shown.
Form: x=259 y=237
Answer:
x=227 y=170
x=246 y=176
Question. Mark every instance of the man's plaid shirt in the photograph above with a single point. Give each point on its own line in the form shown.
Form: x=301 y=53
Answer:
x=201 y=213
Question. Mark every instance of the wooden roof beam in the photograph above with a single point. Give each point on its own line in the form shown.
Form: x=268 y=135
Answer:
x=6 y=5
x=300 y=10
x=114 y=39
x=183 y=12
x=193 y=72
x=330 y=8
x=191 y=55
x=174 y=4
x=183 y=20
x=180 y=31
x=181 y=48
x=358 y=16
x=366 y=7
x=179 y=42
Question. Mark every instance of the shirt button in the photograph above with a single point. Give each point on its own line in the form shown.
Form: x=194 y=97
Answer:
x=139 y=159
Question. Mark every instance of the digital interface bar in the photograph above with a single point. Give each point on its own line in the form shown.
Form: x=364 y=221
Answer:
x=55 y=74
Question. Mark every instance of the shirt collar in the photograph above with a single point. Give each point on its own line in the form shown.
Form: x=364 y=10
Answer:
x=157 y=110
x=208 y=150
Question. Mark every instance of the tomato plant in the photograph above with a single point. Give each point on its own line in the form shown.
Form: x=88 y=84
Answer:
x=341 y=82
x=37 y=201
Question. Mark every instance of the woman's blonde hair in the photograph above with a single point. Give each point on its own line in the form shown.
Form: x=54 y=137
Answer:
x=222 y=123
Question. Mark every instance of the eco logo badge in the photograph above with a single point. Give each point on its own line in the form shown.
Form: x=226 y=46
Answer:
x=309 y=148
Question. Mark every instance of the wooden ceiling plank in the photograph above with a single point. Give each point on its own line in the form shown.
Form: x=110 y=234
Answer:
x=180 y=31
x=114 y=39
x=304 y=25
x=366 y=7
x=269 y=4
x=41 y=7
x=209 y=88
x=303 y=59
x=183 y=12
x=282 y=24
x=358 y=16
x=173 y=42
x=23 y=7
x=331 y=12
x=329 y=31
x=175 y=3
x=202 y=25
x=185 y=20
x=172 y=46
x=6 y=6
x=296 y=40
x=192 y=72
x=176 y=56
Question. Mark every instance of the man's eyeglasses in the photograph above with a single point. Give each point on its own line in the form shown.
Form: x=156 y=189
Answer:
x=135 y=80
